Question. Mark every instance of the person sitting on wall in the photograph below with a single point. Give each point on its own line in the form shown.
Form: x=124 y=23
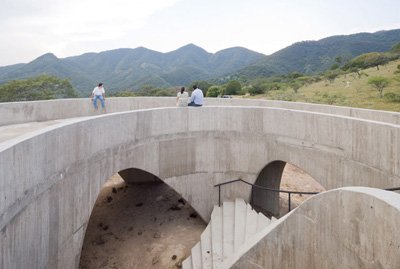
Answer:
x=197 y=97
x=182 y=97
x=98 y=93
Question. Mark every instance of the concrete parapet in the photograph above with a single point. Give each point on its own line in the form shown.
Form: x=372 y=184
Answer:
x=352 y=227
x=21 y=112
x=49 y=180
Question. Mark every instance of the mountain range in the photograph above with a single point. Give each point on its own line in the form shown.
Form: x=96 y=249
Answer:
x=310 y=57
x=130 y=69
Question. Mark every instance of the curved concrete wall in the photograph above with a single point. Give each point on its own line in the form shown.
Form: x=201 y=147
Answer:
x=343 y=228
x=51 y=179
x=21 y=112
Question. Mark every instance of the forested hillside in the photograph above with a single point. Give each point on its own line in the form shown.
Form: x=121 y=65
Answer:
x=130 y=69
x=310 y=57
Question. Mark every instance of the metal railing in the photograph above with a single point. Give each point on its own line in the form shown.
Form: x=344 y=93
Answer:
x=269 y=189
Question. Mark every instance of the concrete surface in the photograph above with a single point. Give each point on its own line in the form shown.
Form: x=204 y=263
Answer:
x=51 y=177
x=352 y=227
x=37 y=111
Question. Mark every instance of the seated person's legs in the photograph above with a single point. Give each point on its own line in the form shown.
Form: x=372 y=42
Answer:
x=193 y=104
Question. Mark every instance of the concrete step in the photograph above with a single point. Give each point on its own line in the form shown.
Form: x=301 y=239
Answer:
x=216 y=237
x=228 y=222
x=196 y=256
x=206 y=250
x=251 y=222
x=262 y=222
x=240 y=223
x=187 y=263
x=230 y=227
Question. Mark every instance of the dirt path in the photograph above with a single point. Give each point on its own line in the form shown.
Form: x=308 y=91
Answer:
x=149 y=226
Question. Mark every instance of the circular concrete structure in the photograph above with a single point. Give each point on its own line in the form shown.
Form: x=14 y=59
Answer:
x=50 y=178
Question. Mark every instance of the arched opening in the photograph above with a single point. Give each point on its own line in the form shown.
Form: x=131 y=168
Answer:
x=280 y=175
x=143 y=224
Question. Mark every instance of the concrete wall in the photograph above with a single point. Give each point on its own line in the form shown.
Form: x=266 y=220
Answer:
x=344 y=228
x=21 y=112
x=50 y=181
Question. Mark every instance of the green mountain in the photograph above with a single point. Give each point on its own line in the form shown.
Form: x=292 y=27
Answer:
x=310 y=57
x=130 y=69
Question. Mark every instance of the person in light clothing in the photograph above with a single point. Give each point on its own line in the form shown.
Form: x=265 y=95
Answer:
x=182 y=98
x=197 y=97
x=98 y=93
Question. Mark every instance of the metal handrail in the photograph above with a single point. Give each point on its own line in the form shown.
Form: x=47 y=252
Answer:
x=269 y=189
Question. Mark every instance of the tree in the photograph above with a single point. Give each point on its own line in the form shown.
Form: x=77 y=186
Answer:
x=331 y=75
x=146 y=90
x=305 y=80
x=366 y=60
x=339 y=60
x=379 y=83
x=233 y=87
x=43 y=87
x=295 y=75
x=126 y=94
x=161 y=92
x=395 y=48
x=398 y=70
x=274 y=86
x=334 y=66
x=258 y=88
x=295 y=85
x=214 y=91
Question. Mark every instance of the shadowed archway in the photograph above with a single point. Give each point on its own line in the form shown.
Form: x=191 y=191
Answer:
x=283 y=176
x=269 y=177
x=135 y=175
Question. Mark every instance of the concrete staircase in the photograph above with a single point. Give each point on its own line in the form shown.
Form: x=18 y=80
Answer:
x=230 y=227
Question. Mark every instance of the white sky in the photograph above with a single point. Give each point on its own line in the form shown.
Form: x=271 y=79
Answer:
x=31 y=28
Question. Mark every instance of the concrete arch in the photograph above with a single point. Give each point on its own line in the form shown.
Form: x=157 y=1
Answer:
x=269 y=177
x=189 y=149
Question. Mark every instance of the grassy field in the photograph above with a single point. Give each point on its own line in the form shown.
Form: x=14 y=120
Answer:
x=359 y=94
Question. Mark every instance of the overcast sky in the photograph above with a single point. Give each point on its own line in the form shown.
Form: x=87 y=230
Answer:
x=31 y=28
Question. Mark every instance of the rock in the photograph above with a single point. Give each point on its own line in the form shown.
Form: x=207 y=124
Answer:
x=193 y=215
x=155 y=260
x=109 y=199
x=114 y=190
x=105 y=228
x=174 y=208
x=139 y=233
x=156 y=235
x=99 y=241
x=104 y=263
x=139 y=204
x=130 y=229
x=182 y=201
x=173 y=257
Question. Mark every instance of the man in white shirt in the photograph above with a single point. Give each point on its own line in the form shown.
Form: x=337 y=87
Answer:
x=98 y=93
x=197 y=97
